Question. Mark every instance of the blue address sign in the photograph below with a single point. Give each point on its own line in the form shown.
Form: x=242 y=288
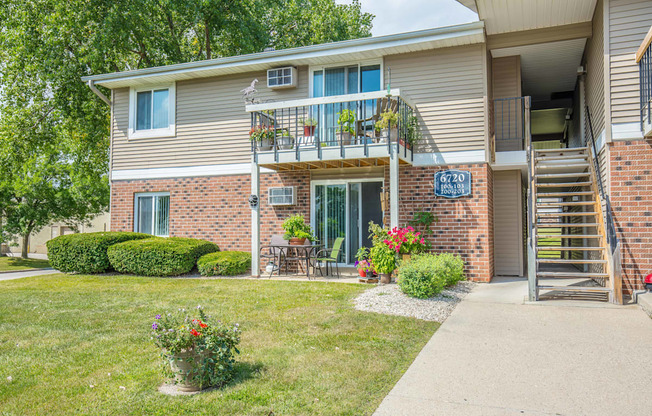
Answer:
x=453 y=183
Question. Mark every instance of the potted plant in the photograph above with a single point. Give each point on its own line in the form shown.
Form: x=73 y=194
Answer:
x=364 y=266
x=296 y=230
x=388 y=124
x=284 y=140
x=346 y=125
x=198 y=351
x=309 y=125
x=405 y=241
x=263 y=136
x=413 y=131
x=384 y=260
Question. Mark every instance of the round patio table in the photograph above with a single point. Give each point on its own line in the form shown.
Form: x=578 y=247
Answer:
x=302 y=252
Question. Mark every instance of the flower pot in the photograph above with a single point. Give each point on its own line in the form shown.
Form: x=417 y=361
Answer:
x=265 y=145
x=391 y=133
x=406 y=257
x=284 y=142
x=385 y=278
x=346 y=138
x=308 y=131
x=297 y=241
x=183 y=364
x=362 y=273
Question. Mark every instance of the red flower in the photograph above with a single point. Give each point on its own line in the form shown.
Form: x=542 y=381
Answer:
x=203 y=325
x=194 y=332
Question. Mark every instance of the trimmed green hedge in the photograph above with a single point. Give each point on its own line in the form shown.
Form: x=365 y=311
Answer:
x=425 y=275
x=224 y=263
x=159 y=256
x=86 y=252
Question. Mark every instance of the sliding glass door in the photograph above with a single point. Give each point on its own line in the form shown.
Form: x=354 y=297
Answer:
x=344 y=209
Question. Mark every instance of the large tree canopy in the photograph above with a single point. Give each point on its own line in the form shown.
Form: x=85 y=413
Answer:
x=54 y=133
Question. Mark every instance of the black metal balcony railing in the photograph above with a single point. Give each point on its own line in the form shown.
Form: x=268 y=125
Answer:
x=509 y=120
x=645 y=82
x=367 y=120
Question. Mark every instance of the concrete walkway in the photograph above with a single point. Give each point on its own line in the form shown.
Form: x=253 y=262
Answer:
x=498 y=355
x=28 y=273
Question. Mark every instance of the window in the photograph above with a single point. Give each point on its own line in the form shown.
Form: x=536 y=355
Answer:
x=282 y=77
x=152 y=112
x=342 y=80
x=152 y=213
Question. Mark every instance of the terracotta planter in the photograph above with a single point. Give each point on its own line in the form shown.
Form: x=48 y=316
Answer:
x=182 y=366
x=385 y=278
x=309 y=131
x=297 y=241
x=362 y=273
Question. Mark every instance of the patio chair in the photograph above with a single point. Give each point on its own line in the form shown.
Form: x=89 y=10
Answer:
x=328 y=256
x=275 y=254
x=381 y=106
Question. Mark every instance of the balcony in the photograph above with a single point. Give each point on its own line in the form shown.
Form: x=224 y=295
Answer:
x=510 y=130
x=644 y=60
x=352 y=130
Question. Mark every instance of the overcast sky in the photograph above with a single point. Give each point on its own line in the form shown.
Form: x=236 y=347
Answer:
x=396 y=16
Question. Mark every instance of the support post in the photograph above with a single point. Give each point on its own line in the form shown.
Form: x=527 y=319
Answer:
x=255 y=220
x=393 y=187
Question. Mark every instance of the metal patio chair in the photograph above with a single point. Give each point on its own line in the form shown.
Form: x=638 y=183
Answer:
x=275 y=253
x=328 y=256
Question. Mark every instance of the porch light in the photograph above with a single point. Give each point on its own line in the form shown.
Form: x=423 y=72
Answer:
x=648 y=282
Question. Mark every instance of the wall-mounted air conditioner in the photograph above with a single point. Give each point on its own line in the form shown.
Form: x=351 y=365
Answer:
x=285 y=195
x=282 y=77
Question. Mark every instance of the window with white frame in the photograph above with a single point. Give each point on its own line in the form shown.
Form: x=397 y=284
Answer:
x=152 y=213
x=152 y=112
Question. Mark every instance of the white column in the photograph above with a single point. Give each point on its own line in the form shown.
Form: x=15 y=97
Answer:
x=393 y=188
x=255 y=221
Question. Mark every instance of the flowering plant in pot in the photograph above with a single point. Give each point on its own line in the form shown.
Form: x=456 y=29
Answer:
x=405 y=241
x=263 y=136
x=363 y=264
x=346 y=125
x=309 y=125
x=296 y=230
x=384 y=260
x=198 y=351
x=388 y=124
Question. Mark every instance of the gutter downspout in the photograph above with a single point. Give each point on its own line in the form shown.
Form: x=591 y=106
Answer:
x=91 y=85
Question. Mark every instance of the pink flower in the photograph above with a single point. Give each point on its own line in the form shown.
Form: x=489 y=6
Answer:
x=423 y=241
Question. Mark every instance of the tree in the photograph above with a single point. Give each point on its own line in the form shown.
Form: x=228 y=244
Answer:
x=54 y=133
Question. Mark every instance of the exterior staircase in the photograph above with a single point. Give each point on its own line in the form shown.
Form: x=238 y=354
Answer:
x=568 y=235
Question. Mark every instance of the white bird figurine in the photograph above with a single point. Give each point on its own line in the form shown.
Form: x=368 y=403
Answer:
x=248 y=92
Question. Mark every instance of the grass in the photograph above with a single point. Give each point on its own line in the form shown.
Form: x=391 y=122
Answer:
x=304 y=349
x=11 y=264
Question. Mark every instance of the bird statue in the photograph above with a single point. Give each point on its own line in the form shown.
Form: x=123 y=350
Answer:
x=248 y=93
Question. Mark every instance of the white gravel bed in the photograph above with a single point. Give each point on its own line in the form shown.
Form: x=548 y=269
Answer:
x=388 y=299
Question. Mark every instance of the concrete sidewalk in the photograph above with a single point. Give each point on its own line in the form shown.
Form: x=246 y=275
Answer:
x=497 y=355
x=28 y=273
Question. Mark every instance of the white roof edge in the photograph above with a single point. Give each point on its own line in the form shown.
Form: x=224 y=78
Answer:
x=304 y=52
x=471 y=4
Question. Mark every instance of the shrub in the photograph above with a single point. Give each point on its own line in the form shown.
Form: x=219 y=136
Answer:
x=86 y=253
x=425 y=275
x=224 y=263
x=159 y=256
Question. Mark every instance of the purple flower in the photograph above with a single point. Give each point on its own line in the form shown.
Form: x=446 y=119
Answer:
x=154 y=325
x=158 y=316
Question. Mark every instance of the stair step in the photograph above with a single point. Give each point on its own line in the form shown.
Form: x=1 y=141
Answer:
x=566 y=248
x=560 y=175
x=576 y=288
x=571 y=261
x=564 y=150
x=561 y=158
x=561 y=184
x=563 y=194
x=563 y=204
x=572 y=274
x=565 y=214
x=560 y=165
x=568 y=235
x=565 y=224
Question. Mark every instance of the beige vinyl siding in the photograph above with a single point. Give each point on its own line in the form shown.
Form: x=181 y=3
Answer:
x=506 y=77
x=508 y=229
x=211 y=121
x=447 y=86
x=629 y=22
x=594 y=62
x=508 y=115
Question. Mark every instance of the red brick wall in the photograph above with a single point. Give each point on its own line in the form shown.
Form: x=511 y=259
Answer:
x=465 y=225
x=213 y=208
x=631 y=199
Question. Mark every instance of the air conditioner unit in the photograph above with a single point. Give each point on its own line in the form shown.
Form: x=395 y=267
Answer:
x=285 y=77
x=286 y=195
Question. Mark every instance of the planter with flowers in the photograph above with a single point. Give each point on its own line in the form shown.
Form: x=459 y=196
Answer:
x=198 y=352
x=388 y=124
x=264 y=137
x=296 y=230
x=364 y=266
x=388 y=245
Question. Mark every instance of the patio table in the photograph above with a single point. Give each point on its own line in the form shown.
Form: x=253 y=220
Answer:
x=302 y=252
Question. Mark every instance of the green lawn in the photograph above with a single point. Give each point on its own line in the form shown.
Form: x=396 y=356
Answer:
x=11 y=264
x=305 y=350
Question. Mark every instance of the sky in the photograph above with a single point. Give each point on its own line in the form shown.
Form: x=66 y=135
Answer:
x=397 y=16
